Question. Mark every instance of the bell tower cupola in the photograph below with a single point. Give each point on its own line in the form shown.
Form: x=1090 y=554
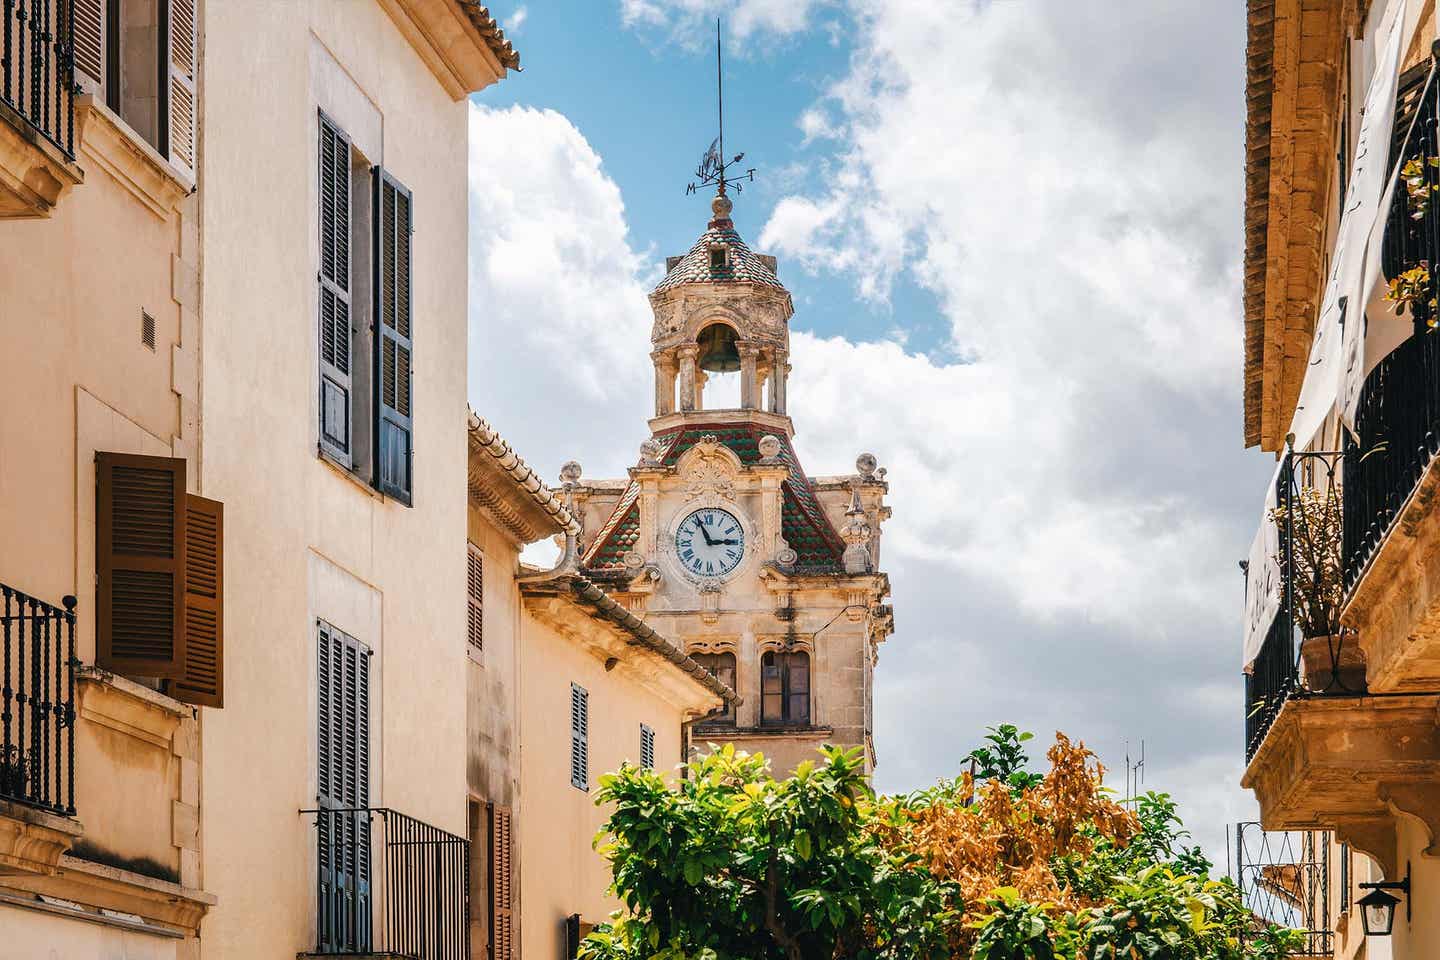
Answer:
x=721 y=309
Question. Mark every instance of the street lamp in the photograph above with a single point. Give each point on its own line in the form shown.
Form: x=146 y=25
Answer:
x=1377 y=908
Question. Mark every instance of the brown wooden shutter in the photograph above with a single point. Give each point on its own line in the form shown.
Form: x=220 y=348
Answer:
x=177 y=53
x=334 y=275
x=89 y=38
x=140 y=564
x=502 y=904
x=394 y=346
x=475 y=595
x=204 y=679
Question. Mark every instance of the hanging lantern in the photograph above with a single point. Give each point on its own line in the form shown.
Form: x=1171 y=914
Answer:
x=1377 y=908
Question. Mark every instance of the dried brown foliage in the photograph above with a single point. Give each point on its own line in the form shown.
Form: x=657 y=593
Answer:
x=992 y=836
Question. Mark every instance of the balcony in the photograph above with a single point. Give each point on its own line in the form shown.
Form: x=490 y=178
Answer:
x=388 y=885
x=1391 y=476
x=37 y=107
x=37 y=732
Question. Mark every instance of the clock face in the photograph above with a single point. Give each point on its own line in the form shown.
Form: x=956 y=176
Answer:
x=710 y=542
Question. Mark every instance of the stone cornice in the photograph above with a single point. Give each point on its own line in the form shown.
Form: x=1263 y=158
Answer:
x=448 y=36
x=34 y=173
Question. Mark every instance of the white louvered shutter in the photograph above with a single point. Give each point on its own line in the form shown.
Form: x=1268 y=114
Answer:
x=180 y=110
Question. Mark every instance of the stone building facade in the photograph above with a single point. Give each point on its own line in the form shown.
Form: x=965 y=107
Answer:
x=719 y=539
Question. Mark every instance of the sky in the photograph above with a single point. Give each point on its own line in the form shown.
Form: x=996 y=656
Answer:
x=1012 y=232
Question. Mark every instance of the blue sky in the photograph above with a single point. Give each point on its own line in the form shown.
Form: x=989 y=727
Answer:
x=651 y=144
x=1013 y=236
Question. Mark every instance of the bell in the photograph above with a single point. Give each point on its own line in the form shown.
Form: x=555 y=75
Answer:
x=717 y=349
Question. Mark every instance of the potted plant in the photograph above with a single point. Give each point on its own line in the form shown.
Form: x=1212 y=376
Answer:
x=1310 y=531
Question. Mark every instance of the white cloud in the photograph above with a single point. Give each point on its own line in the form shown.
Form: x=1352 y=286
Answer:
x=516 y=20
x=692 y=22
x=559 y=317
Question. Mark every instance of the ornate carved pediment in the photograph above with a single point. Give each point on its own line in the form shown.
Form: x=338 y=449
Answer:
x=709 y=469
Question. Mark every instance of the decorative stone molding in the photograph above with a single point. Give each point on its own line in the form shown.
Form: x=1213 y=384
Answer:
x=128 y=707
x=1373 y=836
x=709 y=469
x=33 y=841
x=34 y=173
x=1418 y=800
x=856 y=534
x=112 y=888
x=1357 y=760
x=1395 y=606
x=448 y=38
x=108 y=142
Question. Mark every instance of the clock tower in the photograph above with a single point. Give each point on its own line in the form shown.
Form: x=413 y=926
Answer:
x=718 y=539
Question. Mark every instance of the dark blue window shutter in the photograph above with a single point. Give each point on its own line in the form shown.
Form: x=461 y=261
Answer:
x=343 y=791
x=394 y=346
x=579 y=737
x=334 y=291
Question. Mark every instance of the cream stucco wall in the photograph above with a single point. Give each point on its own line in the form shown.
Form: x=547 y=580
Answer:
x=562 y=874
x=79 y=380
x=306 y=540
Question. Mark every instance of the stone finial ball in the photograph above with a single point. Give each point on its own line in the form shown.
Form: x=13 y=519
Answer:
x=769 y=446
x=570 y=471
x=721 y=206
x=649 y=450
x=866 y=464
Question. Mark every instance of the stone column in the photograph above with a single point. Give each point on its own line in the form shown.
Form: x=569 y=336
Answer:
x=749 y=399
x=687 y=353
x=778 y=376
x=665 y=371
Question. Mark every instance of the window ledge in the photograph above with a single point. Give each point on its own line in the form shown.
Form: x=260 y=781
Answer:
x=118 y=150
x=800 y=730
x=131 y=708
x=34 y=173
x=123 y=895
x=349 y=473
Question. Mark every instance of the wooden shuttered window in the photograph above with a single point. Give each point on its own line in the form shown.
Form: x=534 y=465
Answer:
x=159 y=565
x=89 y=38
x=177 y=73
x=203 y=679
x=140 y=564
x=334 y=291
x=502 y=877
x=723 y=666
x=394 y=346
x=579 y=737
x=475 y=598
x=647 y=746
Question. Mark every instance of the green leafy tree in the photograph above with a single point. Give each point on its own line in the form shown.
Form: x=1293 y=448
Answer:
x=732 y=863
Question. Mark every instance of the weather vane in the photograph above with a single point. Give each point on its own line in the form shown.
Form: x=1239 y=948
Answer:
x=713 y=167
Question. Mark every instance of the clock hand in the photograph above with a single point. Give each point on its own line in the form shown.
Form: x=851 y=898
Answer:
x=730 y=543
x=706 y=534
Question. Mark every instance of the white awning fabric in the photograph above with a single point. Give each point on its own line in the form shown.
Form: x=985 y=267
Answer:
x=1262 y=576
x=1341 y=309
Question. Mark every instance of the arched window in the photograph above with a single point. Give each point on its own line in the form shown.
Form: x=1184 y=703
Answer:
x=723 y=666
x=785 y=688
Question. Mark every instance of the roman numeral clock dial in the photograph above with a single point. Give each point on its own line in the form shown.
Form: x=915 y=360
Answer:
x=710 y=542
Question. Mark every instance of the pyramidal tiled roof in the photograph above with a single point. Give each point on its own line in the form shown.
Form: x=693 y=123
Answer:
x=742 y=265
x=802 y=521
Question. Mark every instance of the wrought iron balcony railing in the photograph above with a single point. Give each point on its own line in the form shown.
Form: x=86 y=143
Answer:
x=388 y=883
x=37 y=67
x=1309 y=517
x=1398 y=417
x=1284 y=879
x=37 y=702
